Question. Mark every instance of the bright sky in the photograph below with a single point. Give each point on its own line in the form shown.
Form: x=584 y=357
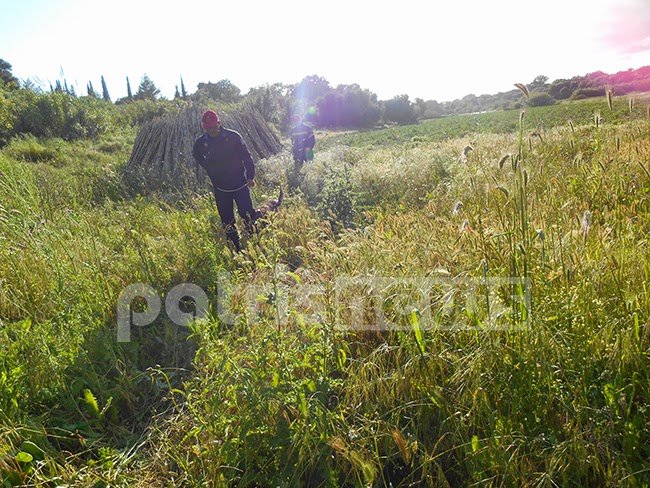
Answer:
x=432 y=50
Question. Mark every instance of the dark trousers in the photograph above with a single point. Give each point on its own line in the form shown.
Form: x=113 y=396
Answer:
x=298 y=155
x=225 y=205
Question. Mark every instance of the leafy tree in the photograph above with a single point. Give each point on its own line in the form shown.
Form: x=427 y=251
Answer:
x=562 y=89
x=7 y=80
x=538 y=82
x=348 y=106
x=105 y=94
x=223 y=91
x=470 y=103
x=433 y=109
x=307 y=93
x=420 y=107
x=8 y=116
x=271 y=101
x=147 y=90
x=311 y=88
x=400 y=110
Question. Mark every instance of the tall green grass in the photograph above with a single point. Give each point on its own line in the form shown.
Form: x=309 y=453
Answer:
x=289 y=391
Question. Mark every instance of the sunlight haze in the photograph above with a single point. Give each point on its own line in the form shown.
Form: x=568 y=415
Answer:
x=432 y=51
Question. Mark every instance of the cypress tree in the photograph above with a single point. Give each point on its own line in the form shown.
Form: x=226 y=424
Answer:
x=177 y=93
x=183 y=91
x=91 y=90
x=129 y=94
x=105 y=94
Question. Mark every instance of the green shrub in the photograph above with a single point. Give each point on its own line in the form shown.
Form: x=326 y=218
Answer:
x=540 y=99
x=583 y=93
x=336 y=201
x=7 y=117
x=62 y=115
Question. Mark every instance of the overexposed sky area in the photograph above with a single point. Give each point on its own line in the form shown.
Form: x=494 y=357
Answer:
x=439 y=50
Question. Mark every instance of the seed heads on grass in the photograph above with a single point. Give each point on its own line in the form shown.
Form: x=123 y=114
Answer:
x=610 y=102
x=457 y=208
x=577 y=160
x=597 y=119
x=523 y=88
x=503 y=160
x=586 y=222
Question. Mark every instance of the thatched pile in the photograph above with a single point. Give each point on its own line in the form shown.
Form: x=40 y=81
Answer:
x=162 y=152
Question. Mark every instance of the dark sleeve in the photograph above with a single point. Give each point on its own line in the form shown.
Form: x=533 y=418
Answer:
x=196 y=152
x=246 y=159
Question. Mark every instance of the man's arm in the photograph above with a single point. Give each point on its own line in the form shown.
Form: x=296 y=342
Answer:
x=196 y=152
x=247 y=159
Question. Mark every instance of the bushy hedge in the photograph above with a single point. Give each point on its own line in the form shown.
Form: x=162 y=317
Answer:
x=61 y=115
x=53 y=114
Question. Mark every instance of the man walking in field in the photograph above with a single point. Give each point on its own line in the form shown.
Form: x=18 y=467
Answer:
x=302 y=141
x=224 y=156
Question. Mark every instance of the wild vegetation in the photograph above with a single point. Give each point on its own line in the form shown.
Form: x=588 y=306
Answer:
x=461 y=302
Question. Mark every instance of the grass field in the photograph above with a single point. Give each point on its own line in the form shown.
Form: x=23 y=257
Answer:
x=463 y=302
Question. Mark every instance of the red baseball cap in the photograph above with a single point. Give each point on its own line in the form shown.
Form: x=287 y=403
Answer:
x=210 y=119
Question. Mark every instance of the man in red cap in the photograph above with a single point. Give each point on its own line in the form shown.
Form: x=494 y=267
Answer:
x=224 y=156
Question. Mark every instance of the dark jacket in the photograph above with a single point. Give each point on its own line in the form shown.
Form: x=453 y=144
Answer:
x=225 y=158
x=302 y=137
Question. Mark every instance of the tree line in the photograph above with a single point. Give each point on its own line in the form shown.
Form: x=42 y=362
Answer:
x=61 y=112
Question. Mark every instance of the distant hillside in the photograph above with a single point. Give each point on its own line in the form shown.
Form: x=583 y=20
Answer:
x=544 y=93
